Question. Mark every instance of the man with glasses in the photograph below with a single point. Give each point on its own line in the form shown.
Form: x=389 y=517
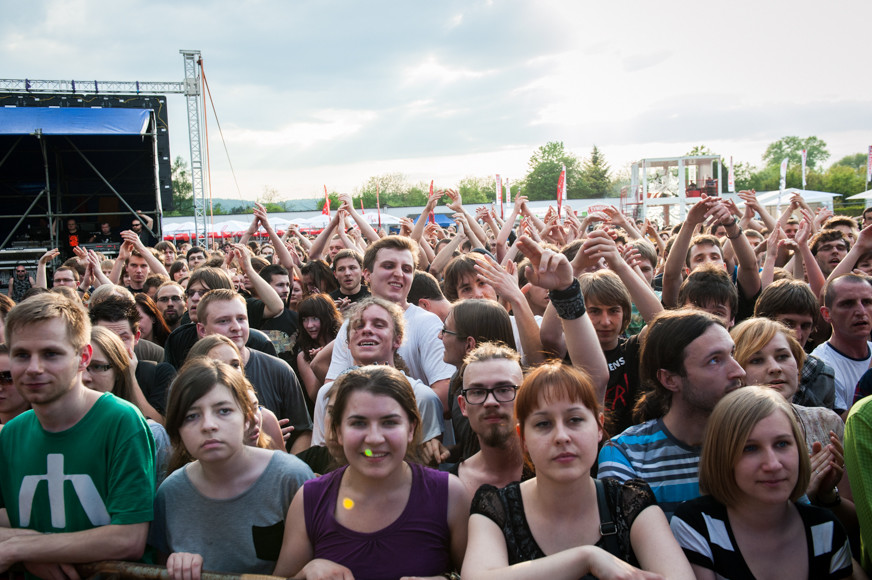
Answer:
x=20 y=283
x=136 y=226
x=120 y=315
x=170 y=300
x=491 y=375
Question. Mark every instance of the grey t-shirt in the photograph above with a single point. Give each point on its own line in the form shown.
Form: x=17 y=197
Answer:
x=279 y=391
x=241 y=534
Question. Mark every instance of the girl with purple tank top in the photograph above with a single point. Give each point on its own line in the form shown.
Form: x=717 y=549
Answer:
x=382 y=515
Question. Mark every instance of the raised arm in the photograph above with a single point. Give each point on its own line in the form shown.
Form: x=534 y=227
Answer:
x=474 y=228
x=862 y=246
x=445 y=255
x=748 y=275
x=619 y=219
x=41 y=278
x=750 y=198
x=505 y=283
x=419 y=226
x=154 y=265
x=677 y=260
x=816 y=278
x=601 y=245
x=272 y=302
x=551 y=270
x=316 y=250
x=366 y=229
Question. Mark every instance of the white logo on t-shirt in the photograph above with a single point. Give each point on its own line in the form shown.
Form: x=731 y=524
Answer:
x=83 y=485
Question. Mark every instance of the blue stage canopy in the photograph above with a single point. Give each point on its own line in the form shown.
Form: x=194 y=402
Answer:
x=73 y=121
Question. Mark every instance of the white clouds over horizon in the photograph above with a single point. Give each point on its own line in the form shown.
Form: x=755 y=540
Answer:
x=334 y=91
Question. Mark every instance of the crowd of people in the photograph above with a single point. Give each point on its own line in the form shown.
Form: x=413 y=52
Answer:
x=509 y=397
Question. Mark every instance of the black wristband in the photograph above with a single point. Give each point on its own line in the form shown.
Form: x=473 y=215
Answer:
x=569 y=303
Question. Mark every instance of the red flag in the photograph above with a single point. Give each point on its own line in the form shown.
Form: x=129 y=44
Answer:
x=561 y=190
x=361 y=207
x=377 y=206
x=432 y=216
x=326 y=209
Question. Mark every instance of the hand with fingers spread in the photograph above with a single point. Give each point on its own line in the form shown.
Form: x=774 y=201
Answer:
x=49 y=256
x=503 y=281
x=601 y=245
x=456 y=202
x=548 y=269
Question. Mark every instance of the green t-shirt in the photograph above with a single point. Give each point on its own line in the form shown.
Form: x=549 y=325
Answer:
x=98 y=472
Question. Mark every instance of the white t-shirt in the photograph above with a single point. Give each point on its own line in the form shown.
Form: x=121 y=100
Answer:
x=422 y=350
x=429 y=406
x=848 y=372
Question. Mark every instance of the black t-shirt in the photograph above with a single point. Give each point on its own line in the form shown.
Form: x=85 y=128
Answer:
x=623 y=389
x=356 y=297
x=282 y=330
x=70 y=240
x=180 y=341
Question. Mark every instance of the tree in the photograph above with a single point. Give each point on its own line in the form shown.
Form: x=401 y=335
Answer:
x=791 y=148
x=595 y=175
x=269 y=196
x=858 y=160
x=541 y=181
x=478 y=189
x=183 y=189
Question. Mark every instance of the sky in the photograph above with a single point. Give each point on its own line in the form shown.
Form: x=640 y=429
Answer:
x=332 y=92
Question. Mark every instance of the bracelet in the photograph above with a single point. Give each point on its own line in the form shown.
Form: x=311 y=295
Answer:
x=569 y=303
x=80 y=289
x=739 y=233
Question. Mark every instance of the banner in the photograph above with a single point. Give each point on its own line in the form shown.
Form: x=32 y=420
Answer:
x=731 y=179
x=783 y=184
x=869 y=166
x=361 y=206
x=500 y=194
x=508 y=199
x=432 y=216
x=561 y=190
x=804 y=159
x=326 y=209
x=377 y=206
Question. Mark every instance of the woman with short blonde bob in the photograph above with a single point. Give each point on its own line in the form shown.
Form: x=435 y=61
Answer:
x=749 y=524
x=771 y=357
x=563 y=524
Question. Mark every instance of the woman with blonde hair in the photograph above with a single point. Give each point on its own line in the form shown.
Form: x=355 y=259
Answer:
x=749 y=524
x=110 y=371
x=771 y=357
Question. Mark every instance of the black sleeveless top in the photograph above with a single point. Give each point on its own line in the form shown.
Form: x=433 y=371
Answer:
x=505 y=508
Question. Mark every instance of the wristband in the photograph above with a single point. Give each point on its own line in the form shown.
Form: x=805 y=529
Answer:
x=569 y=303
x=739 y=233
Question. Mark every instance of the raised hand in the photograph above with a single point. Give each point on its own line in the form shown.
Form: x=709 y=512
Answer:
x=548 y=269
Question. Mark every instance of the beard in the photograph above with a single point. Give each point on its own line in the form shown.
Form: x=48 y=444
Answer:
x=172 y=318
x=497 y=435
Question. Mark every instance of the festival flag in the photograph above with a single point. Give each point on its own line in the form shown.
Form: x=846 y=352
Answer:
x=561 y=189
x=804 y=159
x=432 y=216
x=499 y=192
x=869 y=166
x=783 y=184
x=377 y=206
x=508 y=197
x=326 y=209
x=731 y=180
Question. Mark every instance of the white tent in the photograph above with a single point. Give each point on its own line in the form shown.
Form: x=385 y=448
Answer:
x=770 y=198
x=862 y=195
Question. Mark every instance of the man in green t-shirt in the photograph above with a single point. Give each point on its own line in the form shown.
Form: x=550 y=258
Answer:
x=78 y=476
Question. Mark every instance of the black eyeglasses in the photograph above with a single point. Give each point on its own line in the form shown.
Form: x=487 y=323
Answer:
x=502 y=394
x=165 y=299
x=192 y=293
x=6 y=377
x=445 y=331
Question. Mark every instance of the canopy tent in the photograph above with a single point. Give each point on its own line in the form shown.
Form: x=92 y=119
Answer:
x=770 y=198
x=862 y=195
x=442 y=219
x=95 y=164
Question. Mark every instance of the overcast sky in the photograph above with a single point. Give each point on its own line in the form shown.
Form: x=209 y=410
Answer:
x=333 y=91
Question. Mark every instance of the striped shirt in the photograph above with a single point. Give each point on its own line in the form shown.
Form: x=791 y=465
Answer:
x=651 y=453
x=703 y=530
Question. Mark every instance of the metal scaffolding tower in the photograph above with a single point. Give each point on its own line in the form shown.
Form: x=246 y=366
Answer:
x=190 y=87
